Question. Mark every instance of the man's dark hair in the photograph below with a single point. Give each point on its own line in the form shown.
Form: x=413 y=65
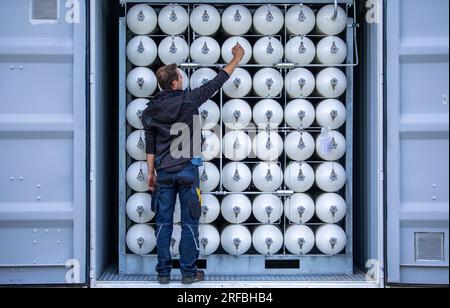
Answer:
x=166 y=75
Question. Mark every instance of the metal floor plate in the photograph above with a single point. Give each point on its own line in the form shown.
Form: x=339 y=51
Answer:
x=112 y=275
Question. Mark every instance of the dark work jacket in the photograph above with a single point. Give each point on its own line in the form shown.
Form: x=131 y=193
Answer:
x=166 y=140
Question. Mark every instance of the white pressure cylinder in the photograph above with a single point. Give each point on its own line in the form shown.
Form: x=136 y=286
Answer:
x=268 y=113
x=267 y=239
x=300 y=20
x=300 y=83
x=173 y=50
x=268 y=20
x=267 y=208
x=331 y=82
x=268 y=51
x=136 y=147
x=210 y=145
x=331 y=50
x=139 y=208
x=209 y=239
x=299 y=177
x=331 y=208
x=210 y=209
x=141 y=82
x=299 y=114
x=299 y=208
x=239 y=85
x=330 y=21
x=209 y=177
x=236 y=208
x=268 y=146
x=236 y=240
x=142 y=19
x=205 y=50
x=299 y=240
x=141 y=239
x=267 y=176
x=237 y=145
x=300 y=50
x=227 y=47
x=142 y=51
x=236 y=20
x=331 y=145
x=331 y=177
x=209 y=114
x=173 y=19
x=137 y=175
x=331 y=113
x=299 y=145
x=205 y=19
x=135 y=112
x=330 y=239
x=237 y=114
x=237 y=177
x=268 y=82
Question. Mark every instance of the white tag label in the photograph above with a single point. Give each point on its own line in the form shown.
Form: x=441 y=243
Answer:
x=325 y=141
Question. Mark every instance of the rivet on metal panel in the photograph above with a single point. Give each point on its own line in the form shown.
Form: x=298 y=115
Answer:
x=444 y=99
x=11 y=178
x=34 y=262
x=58 y=242
x=38 y=198
x=35 y=231
x=59 y=230
x=46 y=231
x=12 y=67
x=434 y=185
x=434 y=198
x=39 y=186
x=34 y=242
x=21 y=178
x=21 y=67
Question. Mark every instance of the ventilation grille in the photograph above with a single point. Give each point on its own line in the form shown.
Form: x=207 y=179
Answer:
x=429 y=247
x=44 y=10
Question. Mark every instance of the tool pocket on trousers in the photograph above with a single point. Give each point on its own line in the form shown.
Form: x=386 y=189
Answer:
x=195 y=202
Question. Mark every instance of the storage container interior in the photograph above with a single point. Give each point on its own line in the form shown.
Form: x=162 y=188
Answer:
x=111 y=222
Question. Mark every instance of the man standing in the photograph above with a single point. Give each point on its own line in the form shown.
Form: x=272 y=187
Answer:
x=173 y=151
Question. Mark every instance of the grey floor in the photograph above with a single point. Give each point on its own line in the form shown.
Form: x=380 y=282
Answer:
x=112 y=274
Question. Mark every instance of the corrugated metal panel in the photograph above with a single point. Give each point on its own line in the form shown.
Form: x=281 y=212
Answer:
x=417 y=124
x=42 y=144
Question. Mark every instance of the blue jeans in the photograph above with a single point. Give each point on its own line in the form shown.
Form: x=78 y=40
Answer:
x=186 y=184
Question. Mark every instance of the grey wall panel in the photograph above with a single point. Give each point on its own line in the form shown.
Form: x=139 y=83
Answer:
x=42 y=144
x=417 y=149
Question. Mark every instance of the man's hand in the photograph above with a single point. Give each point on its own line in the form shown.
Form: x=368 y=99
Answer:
x=151 y=181
x=238 y=53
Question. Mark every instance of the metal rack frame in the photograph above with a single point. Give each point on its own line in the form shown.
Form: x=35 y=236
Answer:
x=245 y=264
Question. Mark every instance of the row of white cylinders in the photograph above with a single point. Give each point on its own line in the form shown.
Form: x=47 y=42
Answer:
x=237 y=114
x=266 y=83
x=236 y=19
x=268 y=177
x=269 y=50
x=237 y=240
x=266 y=146
x=237 y=208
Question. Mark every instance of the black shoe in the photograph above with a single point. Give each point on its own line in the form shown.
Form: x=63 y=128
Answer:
x=198 y=277
x=164 y=279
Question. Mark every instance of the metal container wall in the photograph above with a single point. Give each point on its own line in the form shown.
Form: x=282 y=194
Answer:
x=43 y=135
x=417 y=171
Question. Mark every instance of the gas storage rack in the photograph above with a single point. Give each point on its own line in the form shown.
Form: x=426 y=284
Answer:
x=277 y=196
